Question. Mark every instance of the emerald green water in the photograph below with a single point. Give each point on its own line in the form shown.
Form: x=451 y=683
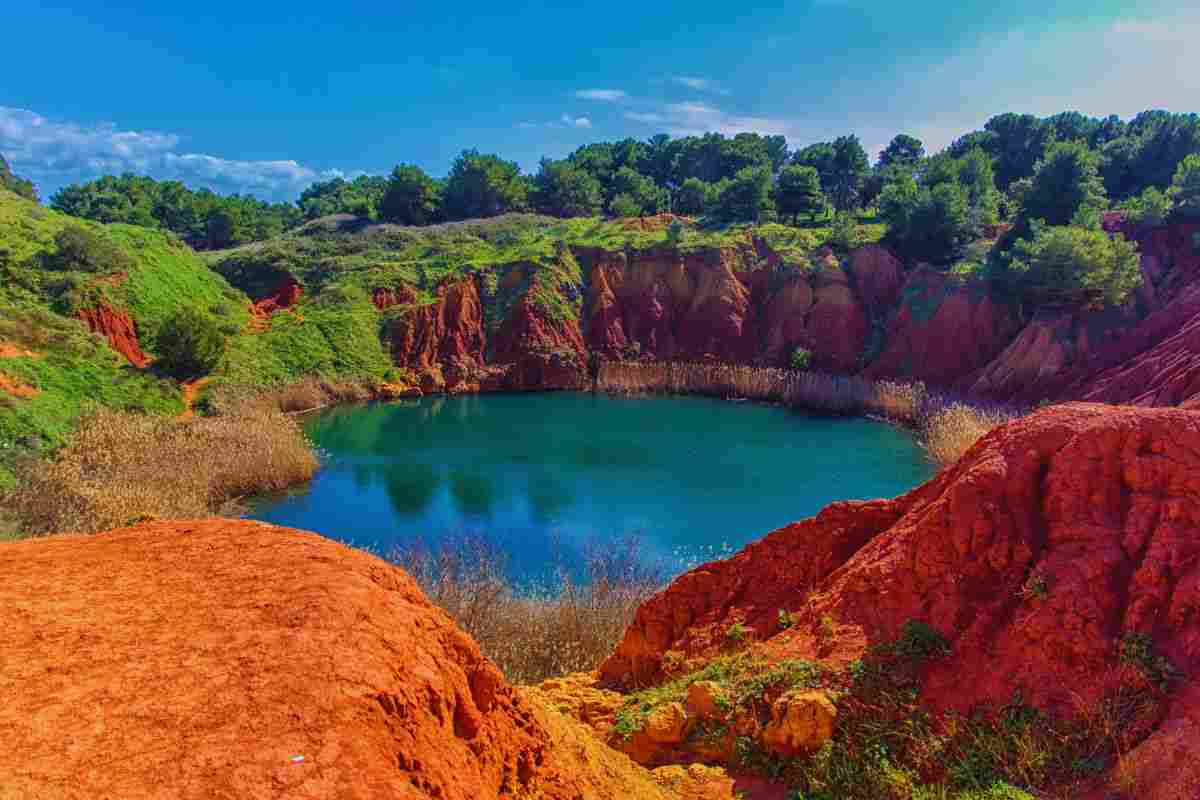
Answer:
x=690 y=477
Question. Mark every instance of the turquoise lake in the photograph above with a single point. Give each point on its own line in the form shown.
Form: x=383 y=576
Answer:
x=692 y=478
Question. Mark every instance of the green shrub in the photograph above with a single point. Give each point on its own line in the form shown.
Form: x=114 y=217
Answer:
x=1148 y=209
x=190 y=344
x=1185 y=187
x=801 y=358
x=1069 y=265
x=844 y=234
x=80 y=249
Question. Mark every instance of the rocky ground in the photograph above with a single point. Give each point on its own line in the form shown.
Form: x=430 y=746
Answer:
x=1054 y=570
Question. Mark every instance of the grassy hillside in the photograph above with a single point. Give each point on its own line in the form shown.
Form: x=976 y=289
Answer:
x=53 y=366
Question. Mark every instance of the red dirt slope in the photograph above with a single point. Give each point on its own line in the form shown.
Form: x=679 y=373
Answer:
x=228 y=659
x=1051 y=540
x=119 y=329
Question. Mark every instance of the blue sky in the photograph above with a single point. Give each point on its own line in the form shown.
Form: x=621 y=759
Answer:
x=266 y=97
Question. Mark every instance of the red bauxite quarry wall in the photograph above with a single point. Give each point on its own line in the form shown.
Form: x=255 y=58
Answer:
x=864 y=314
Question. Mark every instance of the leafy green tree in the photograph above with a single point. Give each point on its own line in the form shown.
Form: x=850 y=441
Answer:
x=563 y=190
x=1185 y=186
x=189 y=344
x=14 y=183
x=903 y=150
x=1019 y=142
x=82 y=249
x=801 y=359
x=747 y=197
x=798 y=191
x=412 y=197
x=624 y=205
x=924 y=223
x=361 y=197
x=694 y=197
x=1072 y=266
x=842 y=166
x=646 y=196
x=484 y=186
x=1066 y=180
x=978 y=179
x=1149 y=209
x=226 y=228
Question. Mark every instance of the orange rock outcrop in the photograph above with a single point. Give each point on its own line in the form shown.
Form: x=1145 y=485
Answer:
x=233 y=659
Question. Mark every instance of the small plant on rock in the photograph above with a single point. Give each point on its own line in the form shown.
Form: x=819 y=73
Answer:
x=737 y=633
x=1137 y=650
x=801 y=359
x=1035 y=587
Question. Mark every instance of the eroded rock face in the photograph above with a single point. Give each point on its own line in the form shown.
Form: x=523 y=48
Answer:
x=285 y=294
x=943 y=331
x=119 y=329
x=234 y=659
x=1050 y=542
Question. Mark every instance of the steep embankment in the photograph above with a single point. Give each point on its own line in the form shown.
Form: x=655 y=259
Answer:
x=1058 y=561
x=78 y=331
x=522 y=302
x=239 y=660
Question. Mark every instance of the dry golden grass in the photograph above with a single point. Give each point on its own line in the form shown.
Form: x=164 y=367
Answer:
x=950 y=431
x=120 y=468
x=307 y=394
x=539 y=633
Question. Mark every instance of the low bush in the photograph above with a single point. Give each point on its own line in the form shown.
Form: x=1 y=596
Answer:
x=534 y=633
x=81 y=249
x=190 y=344
x=120 y=468
x=950 y=431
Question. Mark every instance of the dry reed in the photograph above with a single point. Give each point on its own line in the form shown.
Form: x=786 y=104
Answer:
x=947 y=428
x=532 y=634
x=120 y=468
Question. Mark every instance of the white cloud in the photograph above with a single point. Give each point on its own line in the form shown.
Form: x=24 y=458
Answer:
x=54 y=153
x=695 y=118
x=605 y=95
x=699 y=84
x=576 y=122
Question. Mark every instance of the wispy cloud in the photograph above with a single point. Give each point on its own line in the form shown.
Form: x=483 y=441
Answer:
x=565 y=121
x=700 y=84
x=694 y=118
x=605 y=95
x=53 y=153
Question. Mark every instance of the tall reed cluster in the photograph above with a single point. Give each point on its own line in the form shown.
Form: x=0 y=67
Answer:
x=121 y=468
x=948 y=428
x=568 y=624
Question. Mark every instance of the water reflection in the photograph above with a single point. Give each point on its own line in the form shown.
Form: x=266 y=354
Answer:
x=551 y=471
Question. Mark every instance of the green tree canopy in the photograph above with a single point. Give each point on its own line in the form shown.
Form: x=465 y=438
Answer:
x=361 y=197
x=646 y=196
x=562 y=189
x=484 y=186
x=1185 y=186
x=1073 y=266
x=411 y=198
x=902 y=150
x=694 y=197
x=842 y=166
x=746 y=198
x=798 y=191
x=1065 y=181
x=82 y=249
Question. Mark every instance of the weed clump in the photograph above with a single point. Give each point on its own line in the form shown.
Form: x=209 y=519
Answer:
x=534 y=632
x=121 y=468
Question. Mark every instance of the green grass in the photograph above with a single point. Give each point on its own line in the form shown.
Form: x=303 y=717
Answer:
x=74 y=369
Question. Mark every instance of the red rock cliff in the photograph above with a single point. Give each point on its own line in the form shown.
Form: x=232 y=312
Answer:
x=1096 y=506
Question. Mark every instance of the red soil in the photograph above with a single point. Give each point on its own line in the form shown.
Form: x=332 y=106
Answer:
x=118 y=327
x=1099 y=504
x=232 y=659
